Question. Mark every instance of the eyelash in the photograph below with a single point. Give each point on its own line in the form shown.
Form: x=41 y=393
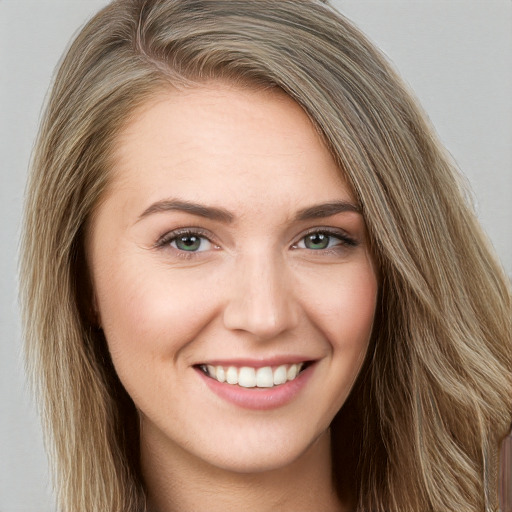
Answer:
x=345 y=240
x=165 y=240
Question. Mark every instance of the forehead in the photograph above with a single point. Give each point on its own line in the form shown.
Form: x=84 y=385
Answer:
x=217 y=142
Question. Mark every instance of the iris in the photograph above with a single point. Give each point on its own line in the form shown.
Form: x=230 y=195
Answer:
x=188 y=243
x=317 y=241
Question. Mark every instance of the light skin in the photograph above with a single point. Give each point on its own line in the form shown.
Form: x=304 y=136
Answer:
x=228 y=236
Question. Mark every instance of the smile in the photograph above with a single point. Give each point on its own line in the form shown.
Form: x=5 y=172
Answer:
x=249 y=377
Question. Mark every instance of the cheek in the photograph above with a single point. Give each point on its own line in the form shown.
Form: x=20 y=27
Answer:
x=151 y=313
x=343 y=308
x=343 y=311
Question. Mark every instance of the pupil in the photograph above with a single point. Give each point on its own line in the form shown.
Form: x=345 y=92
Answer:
x=188 y=243
x=317 y=241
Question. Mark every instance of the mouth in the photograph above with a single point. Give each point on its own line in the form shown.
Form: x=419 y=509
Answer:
x=250 y=377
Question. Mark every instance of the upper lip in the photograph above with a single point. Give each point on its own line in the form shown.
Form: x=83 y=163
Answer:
x=257 y=363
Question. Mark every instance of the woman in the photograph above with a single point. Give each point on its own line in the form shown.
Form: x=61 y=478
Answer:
x=250 y=275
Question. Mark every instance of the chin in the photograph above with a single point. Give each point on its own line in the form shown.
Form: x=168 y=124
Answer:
x=248 y=455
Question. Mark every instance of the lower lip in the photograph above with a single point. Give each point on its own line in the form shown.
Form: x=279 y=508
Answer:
x=260 y=399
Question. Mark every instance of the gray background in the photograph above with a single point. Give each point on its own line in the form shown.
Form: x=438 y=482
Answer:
x=456 y=55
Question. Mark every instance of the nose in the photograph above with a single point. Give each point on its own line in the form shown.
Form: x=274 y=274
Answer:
x=261 y=301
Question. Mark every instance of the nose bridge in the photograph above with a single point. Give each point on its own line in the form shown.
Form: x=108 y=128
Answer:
x=261 y=300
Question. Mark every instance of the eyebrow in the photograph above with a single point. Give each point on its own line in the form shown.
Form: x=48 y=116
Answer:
x=326 y=210
x=220 y=214
x=209 y=212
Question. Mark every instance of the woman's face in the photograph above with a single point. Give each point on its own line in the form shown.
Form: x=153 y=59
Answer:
x=228 y=256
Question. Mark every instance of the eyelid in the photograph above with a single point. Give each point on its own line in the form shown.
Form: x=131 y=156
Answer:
x=169 y=236
x=342 y=235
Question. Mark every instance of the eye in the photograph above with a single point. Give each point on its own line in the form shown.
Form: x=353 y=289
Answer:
x=186 y=241
x=321 y=240
x=318 y=241
x=191 y=243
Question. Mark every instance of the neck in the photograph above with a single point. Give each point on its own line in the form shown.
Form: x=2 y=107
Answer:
x=178 y=481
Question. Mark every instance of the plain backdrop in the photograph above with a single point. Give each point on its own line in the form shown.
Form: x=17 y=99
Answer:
x=456 y=56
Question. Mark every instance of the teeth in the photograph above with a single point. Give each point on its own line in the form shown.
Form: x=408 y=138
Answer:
x=247 y=377
x=280 y=375
x=231 y=375
x=264 y=377
x=219 y=373
x=292 y=372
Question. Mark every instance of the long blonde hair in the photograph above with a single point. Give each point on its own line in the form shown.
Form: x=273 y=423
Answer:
x=432 y=403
